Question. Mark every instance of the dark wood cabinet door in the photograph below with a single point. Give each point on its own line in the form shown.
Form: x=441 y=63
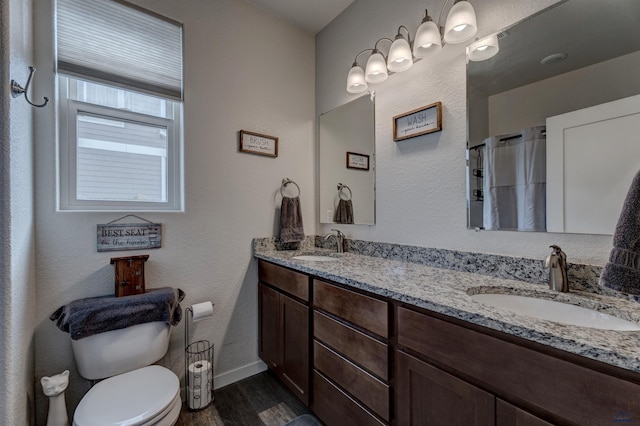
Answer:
x=428 y=396
x=270 y=336
x=510 y=415
x=294 y=318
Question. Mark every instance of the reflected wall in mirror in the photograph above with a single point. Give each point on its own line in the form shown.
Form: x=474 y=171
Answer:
x=545 y=151
x=347 y=139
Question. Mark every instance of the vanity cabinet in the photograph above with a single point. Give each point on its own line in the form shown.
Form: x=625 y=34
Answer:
x=284 y=326
x=468 y=363
x=350 y=356
x=510 y=415
x=358 y=359
x=427 y=395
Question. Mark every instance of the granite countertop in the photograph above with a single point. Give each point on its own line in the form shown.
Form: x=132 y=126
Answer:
x=448 y=292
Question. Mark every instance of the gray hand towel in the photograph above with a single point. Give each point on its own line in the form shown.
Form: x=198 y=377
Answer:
x=622 y=272
x=344 y=212
x=291 y=228
x=86 y=317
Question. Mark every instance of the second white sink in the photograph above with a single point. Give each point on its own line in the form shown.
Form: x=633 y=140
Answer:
x=550 y=310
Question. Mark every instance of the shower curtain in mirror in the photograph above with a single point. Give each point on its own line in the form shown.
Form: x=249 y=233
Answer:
x=515 y=181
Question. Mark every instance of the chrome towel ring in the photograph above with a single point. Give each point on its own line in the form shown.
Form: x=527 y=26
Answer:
x=285 y=182
x=341 y=190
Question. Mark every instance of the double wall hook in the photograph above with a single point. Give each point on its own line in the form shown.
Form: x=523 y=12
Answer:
x=17 y=90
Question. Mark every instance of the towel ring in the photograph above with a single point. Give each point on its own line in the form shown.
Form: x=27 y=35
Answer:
x=341 y=188
x=285 y=182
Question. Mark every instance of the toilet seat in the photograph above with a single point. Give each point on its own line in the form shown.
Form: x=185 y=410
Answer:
x=146 y=396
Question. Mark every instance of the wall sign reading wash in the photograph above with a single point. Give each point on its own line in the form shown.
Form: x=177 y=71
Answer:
x=129 y=236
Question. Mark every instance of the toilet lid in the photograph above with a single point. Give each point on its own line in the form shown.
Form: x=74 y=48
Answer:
x=128 y=399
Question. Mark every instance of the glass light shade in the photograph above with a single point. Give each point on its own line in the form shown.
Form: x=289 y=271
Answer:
x=400 y=57
x=461 y=23
x=376 y=71
x=427 y=40
x=484 y=49
x=355 y=80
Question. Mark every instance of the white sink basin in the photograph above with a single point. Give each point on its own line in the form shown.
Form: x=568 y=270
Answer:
x=315 y=258
x=550 y=310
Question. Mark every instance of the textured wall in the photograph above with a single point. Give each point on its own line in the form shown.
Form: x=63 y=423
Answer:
x=244 y=69
x=420 y=182
x=17 y=290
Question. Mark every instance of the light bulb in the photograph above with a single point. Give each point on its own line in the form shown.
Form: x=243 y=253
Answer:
x=400 y=58
x=376 y=71
x=355 y=80
x=461 y=23
x=427 y=39
x=481 y=50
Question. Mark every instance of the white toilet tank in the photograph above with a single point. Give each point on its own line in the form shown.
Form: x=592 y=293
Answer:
x=119 y=351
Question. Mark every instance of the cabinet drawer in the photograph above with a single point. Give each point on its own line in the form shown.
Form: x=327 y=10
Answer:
x=363 y=311
x=289 y=281
x=548 y=384
x=370 y=353
x=335 y=408
x=363 y=386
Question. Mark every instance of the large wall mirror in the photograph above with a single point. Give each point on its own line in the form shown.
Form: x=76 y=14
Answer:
x=554 y=119
x=347 y=163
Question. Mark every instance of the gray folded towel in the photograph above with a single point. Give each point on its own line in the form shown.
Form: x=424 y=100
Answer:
x=344 y=212
x=93 y=315
x=622 y=272
x=291 y=228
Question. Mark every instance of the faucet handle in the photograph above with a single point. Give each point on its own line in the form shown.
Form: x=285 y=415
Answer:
x=339 y=232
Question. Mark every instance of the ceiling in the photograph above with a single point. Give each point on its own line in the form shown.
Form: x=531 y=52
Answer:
x=588 y=31
x=309 y=15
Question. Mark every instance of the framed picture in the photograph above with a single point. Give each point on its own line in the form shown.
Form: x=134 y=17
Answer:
x=357 y=161
x=421 y=121
x=256 y=143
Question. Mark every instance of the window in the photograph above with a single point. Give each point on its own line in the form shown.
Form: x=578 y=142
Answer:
x=120 y=104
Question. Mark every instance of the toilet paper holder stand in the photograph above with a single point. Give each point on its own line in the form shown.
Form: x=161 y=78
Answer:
x=198 y=366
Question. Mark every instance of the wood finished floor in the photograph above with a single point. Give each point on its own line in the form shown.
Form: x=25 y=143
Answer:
x=256 y=401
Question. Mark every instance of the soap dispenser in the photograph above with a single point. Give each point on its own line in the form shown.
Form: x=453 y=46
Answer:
x=556 y=261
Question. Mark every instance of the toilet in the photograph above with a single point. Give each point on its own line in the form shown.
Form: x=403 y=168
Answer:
x=134 y=392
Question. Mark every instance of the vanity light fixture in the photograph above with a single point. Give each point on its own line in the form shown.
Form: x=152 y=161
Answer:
x=460 y=26
x=481 y=50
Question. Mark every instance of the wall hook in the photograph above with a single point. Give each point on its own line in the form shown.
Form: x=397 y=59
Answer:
x=17 y=90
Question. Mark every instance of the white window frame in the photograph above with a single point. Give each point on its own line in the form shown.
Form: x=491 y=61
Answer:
x=68 y=144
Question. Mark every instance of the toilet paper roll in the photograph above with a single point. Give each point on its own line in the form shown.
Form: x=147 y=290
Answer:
x=198 y=398
x=202 y=310
x=199 y=374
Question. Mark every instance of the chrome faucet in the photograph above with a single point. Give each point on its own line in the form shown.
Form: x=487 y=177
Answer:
x=339 y=237
x=556 y=261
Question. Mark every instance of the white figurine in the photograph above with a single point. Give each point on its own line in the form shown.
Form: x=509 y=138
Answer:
x=54 y=388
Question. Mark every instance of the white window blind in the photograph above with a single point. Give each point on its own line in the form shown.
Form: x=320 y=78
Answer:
x=114 y=42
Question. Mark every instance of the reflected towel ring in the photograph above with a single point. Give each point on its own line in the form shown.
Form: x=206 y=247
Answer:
x=287 y=181
x=341 y=188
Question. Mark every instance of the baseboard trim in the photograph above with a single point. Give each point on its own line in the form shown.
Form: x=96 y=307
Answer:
x=238 y=374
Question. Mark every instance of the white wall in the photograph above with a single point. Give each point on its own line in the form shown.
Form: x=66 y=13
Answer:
x=18 y=290
x=567 y=92
x=420 y=182
x=244 y=69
